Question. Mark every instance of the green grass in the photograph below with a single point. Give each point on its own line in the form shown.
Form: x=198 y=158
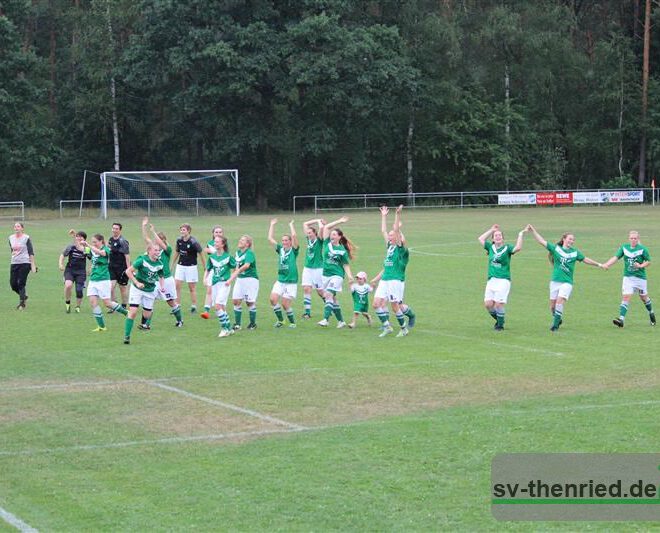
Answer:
x=399 y=433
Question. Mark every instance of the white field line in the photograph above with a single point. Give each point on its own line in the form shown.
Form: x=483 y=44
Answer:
x=530 y=349
x=230 y=406
x=266 y=432
x=238 y=373
x=16 y=522
x=148 y=442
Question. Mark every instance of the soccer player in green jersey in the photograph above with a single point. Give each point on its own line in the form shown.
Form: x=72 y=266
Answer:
x=337 y=252
x=217 y=231
x=312 y=276
x=169 y=285
x=562 y=257
x=219 y=266
x=391 y=279
x=499 y=271
x=360 y=292
x=636 y=261
x=144 y=273
x=285 y=288
x=100 y=286
x=246 y=288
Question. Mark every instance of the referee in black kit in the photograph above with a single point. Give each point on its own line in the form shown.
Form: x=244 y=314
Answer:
x=185 y=258
x=120 y=260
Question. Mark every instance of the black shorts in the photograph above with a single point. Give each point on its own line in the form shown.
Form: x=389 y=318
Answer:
x=78 y=276
x=118 y=274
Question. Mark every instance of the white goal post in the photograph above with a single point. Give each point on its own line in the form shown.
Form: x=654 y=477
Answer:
x=12 y=210
x=170 y=191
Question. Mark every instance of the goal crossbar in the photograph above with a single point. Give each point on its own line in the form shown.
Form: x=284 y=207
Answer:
x=201 y=183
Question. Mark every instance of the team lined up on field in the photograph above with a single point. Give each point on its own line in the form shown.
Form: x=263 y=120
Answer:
x=563 y=257
x=327 y=264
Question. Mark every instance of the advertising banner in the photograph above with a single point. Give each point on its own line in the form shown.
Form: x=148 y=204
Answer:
x=517 y=199
x=622 y=196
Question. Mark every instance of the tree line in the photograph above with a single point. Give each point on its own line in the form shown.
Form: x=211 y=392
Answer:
x=329 y=96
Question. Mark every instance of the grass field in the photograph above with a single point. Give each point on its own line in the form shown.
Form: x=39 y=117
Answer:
x=320 y=429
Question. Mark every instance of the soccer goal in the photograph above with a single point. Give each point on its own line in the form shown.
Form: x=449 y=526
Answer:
x=12 y=210
x=163 y=192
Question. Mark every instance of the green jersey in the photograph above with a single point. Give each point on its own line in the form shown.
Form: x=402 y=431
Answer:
x=334 y=259
x=221 y=265
x=100 y=263
x=165 y=257
x=243 y=257
x=396 y=260
x=360 y=295
x=148 y=272
x=287 y=269
x=633 y=256
x=314 y=255
x=499 y=260
x=563 y=260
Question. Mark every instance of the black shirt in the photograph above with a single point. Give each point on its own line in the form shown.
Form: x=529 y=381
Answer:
x=188 y=251
x=77 y=258
x=118 y=250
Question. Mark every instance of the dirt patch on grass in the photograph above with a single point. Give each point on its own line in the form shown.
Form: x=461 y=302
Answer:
x=328 y=398
x=124 y=409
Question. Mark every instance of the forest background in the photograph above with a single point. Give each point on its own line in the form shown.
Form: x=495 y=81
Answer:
x=330 y=96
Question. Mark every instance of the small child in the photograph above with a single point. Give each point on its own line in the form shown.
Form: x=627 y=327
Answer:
x=360 y=291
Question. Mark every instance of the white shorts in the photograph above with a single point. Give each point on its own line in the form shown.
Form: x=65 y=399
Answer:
x=286 y=290
x=312 y=277
x=170 y=290
x=220 y=293
x=102 y=289
x=189 y=274
x=246 y=289
x=390 y=290
x=139 y=297
x=497 y=290
x=632 y=284
x=332 y=283
x=560 y=290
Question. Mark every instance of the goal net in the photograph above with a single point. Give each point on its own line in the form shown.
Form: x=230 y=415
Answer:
x=195 y=192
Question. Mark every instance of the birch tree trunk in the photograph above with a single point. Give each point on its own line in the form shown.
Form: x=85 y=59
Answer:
x=641 y=178
x=113 y=92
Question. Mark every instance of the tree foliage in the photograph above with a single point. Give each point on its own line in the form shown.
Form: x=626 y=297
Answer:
x=324 y=96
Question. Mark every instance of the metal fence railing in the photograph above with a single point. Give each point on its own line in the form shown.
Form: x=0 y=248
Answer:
x=464 y=199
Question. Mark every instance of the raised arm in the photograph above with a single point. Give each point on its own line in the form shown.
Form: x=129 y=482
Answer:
x=160 y=242
x=308 y=223
x=519 y=241
x=396 y=227
x=327 y=228
x=96 y=250
x=537 y=236
x=384 y=210
x=294 y=235
x=487 y=234
x=145 y=231
x=271 y=232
